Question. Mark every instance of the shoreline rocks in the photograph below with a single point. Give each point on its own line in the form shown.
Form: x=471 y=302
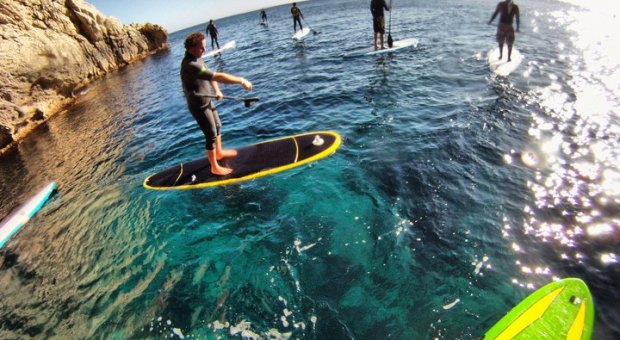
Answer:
x=50 y=49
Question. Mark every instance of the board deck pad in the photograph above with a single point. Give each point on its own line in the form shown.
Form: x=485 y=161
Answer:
x=396 y=45
x=253 y=161
x=301 y=33
x=502 y=67
x=559 y=310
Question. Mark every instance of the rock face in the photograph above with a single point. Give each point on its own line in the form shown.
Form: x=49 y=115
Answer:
x=49 y=49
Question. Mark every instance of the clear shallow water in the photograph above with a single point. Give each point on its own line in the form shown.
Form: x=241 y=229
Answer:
x=450 y=184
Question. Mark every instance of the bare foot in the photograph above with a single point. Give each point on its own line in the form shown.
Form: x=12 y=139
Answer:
x=226 y=153
x=376 y=48
x=508 y=59
x=500 y=57
x=221 y=171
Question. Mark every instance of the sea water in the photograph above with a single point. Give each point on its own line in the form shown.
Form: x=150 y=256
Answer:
x=454 y=195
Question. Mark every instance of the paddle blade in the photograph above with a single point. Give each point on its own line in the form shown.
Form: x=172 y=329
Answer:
x=390 y=41
x=249 y=101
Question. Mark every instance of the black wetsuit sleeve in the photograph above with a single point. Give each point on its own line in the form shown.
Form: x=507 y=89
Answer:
x=200 y=71
x=497 y=9
x=517 y=15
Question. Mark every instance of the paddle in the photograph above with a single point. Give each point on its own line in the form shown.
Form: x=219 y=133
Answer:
x=390 y=40
x=246 y=101
x=315 y=32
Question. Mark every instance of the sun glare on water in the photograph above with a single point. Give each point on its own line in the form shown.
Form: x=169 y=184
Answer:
x=575 y=142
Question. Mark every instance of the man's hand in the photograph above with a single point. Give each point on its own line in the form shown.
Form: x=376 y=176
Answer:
x=218 y=94
x=246 y=84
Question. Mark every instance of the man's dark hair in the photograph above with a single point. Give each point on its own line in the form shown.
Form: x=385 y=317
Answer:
x=193 y=40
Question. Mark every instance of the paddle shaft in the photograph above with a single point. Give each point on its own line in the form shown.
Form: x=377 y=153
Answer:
x=228 y=97
x=247 y=101
x=310 y=28
x=390 y=40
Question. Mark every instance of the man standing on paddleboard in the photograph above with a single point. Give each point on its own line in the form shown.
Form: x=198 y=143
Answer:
x=296 y=17
x=263 y=16
x=507 y=11
x=198 y=82
x=212 y=31
x=378 y=19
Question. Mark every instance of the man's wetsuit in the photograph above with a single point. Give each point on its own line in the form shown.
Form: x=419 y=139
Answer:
x=505 y=31
x=212 y=31
x=263 y=15
x=196 y=77
x=378 y=16
x=296 y=18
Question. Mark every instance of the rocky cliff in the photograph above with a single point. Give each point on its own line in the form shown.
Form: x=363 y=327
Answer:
x=49 y=49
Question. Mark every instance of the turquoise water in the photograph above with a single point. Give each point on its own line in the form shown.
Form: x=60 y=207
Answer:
x=451 y=185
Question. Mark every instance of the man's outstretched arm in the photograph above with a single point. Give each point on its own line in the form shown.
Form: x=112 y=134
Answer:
x=497 y=9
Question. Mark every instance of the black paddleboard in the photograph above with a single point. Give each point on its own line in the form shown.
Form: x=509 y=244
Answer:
x=252 y=161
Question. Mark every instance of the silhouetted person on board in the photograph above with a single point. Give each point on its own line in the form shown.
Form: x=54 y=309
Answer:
x=198 y=82
x=378 y=19
x=296 y=17
x=263 y=16
x=507 y=11
x=212 y=31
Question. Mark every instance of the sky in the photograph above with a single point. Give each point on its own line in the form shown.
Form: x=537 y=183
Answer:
x=179 y=14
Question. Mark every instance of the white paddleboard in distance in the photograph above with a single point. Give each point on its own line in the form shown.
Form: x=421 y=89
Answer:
x=227 y=46
x=12 y=224
x=396 y=45
x=301 y=33
x=502 y=67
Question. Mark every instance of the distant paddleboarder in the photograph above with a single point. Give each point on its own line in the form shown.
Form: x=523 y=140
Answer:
x=378 y=20
x=507 y=11
x=198 y=82
x=263 y=16
x=212 y=31
x=297 y=16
